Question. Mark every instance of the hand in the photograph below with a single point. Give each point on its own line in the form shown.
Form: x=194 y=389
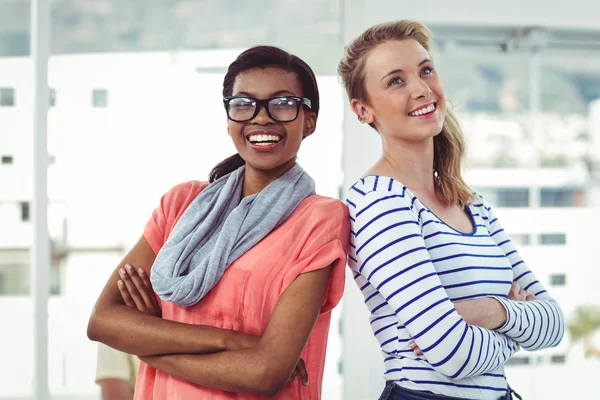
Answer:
x=415 y=348
x=516 y=293
x=300 y=370
x=136 y=291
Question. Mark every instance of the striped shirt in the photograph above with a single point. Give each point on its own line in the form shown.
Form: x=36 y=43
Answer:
x=411 y=267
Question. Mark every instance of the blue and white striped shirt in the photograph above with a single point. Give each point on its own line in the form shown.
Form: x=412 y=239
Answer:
x=411 y=267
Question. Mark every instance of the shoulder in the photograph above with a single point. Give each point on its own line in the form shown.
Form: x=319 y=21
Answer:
x=321 y=213
x=326 y=207
x=371 y=192
x=184 y=189
x=480 y=204
x=182 y=194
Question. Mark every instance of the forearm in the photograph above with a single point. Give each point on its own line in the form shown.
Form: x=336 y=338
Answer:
x=535 y=325
x=136 y=333
x=485 y=312
x=233 y=371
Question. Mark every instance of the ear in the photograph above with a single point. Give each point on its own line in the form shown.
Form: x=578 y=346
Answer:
x=310 y=124
x=363 y=111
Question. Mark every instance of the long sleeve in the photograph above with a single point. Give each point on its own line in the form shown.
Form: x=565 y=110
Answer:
x=389 y=251
x=536 y=324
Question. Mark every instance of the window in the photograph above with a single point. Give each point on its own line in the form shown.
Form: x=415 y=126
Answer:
x=506 y=197
x=516 y=361
x=14 y=279
x=552 y=239
x=558 y=279
x=513 y=198
x=99 y=98
x=7 y=159
x=25 y=211
x=7 y=97
x=561 y=197
x=520 y=239
x=558 y=359
x=52 y=99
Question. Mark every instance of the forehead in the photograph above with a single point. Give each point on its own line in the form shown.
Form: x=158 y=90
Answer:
x=263 y=82
x=394 y=54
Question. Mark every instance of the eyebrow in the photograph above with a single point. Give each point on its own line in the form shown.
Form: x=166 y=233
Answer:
x=277 y=93
x=426 y=60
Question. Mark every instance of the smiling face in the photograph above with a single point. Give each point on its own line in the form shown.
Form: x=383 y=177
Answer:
x=406 y=96
x=265 y=144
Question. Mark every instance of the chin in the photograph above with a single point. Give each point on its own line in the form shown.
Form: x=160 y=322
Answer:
x=264 y=165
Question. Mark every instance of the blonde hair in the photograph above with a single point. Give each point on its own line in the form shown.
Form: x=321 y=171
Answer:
x=449 y=145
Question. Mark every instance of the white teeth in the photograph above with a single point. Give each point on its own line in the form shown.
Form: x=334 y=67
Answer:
x=258 y=139
x=422 y=111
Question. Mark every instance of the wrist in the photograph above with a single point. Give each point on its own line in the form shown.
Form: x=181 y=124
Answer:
x=499 y=314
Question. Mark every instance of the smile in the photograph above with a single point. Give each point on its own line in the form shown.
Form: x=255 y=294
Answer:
x=424 y=110
x=263 y=140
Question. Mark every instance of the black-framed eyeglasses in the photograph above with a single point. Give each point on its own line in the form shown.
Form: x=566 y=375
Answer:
x=279 y=108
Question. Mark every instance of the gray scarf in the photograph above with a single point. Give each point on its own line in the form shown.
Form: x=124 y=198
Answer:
x=217 y=228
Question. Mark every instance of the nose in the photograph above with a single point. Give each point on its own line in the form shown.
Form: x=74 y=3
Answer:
x=419 y=89
x=262 y=117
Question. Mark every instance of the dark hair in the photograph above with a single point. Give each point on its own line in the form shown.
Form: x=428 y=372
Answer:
x=265 y=57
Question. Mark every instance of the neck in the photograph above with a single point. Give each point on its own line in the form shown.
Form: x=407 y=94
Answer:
x=256 y=180
x=410 y=163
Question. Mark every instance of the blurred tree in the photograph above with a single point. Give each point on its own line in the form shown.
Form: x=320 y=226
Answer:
x=584 y=324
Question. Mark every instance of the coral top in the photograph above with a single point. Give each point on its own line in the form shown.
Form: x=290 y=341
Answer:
x=313 y=237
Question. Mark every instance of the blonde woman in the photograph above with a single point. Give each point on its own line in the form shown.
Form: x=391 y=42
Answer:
x=450 y=298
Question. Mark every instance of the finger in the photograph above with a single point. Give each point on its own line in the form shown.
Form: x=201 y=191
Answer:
x=146 y=281
x=133 y=292
x=415 y=348
x=140 y=286
x=144 y=276
x=522 y=295
x=516 y=288
x=302 y=372
x=530 y=297
x=125 y=295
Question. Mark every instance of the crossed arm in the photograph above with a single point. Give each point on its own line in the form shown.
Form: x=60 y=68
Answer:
x=213 y=357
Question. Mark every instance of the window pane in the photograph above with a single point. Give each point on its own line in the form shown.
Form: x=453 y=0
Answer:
x=561 y=197
x=552 y=239
x=513 y=197
x=25 y=211
x=100 y=98
x=14 y=280
x=558 y=359
x=506 y=197
x=558 y=280
x=52 y=99
x=7 y=97
x=516 y=361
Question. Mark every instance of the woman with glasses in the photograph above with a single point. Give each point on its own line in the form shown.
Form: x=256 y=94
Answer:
x=450 y=298
x=228 y=293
